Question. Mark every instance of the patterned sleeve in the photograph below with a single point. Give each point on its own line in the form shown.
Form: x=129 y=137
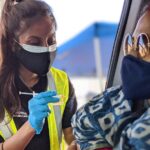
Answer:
x=96 y=123
x=136 y=135
x=86 y=131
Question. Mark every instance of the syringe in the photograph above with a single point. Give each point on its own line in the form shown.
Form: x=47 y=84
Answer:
x=34 y=94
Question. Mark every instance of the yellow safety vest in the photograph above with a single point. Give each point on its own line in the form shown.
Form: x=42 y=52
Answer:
x=57 y=80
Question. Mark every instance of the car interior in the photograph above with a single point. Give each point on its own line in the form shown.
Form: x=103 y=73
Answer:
x=129 y=16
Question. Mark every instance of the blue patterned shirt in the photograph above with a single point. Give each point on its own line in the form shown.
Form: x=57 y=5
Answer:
x=107 y=121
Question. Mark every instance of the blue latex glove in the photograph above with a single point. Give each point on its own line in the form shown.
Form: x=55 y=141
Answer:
x=38 y=109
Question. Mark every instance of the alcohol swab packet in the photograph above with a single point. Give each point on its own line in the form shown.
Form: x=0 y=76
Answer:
x=61 y=97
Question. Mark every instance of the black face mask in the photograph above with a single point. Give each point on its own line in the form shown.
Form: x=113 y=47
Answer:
x=38 y=63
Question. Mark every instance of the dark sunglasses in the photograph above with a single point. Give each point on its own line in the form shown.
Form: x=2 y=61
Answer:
x=139 y=44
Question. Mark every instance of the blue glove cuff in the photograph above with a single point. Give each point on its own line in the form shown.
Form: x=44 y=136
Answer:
x=37 y=129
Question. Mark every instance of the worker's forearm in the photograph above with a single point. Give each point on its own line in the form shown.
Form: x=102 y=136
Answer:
x=21 y=139
x=68 y=135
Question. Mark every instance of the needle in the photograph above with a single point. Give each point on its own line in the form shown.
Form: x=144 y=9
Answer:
x=34 y=94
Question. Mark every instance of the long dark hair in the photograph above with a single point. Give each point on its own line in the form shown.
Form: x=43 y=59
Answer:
x=16 y=16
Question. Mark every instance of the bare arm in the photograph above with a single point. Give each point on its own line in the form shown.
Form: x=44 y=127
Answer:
x=68 y=135
x=73 y=146
x=21 y=139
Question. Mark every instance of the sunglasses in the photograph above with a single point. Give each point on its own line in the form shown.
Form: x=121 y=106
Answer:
x=138 y=46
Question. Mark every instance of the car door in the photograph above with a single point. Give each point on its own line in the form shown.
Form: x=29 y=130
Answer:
x=128 y=20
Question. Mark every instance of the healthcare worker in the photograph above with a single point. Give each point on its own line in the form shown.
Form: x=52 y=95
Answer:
x=37 y=101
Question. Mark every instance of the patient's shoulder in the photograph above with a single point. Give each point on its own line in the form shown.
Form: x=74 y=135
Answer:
x=107 y=101
x=103 y=113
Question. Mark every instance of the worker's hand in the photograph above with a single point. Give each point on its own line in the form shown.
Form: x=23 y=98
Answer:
x=38 y=109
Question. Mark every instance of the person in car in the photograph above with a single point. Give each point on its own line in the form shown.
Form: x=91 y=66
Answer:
x=119 y=118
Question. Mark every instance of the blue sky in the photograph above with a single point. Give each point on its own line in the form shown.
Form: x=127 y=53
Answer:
x=75 y=15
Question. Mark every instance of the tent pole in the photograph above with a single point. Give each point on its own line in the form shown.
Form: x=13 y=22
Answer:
x=98 y=61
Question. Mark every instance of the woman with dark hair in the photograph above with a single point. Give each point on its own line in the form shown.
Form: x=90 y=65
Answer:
x=119 y=118
x=37 y=101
